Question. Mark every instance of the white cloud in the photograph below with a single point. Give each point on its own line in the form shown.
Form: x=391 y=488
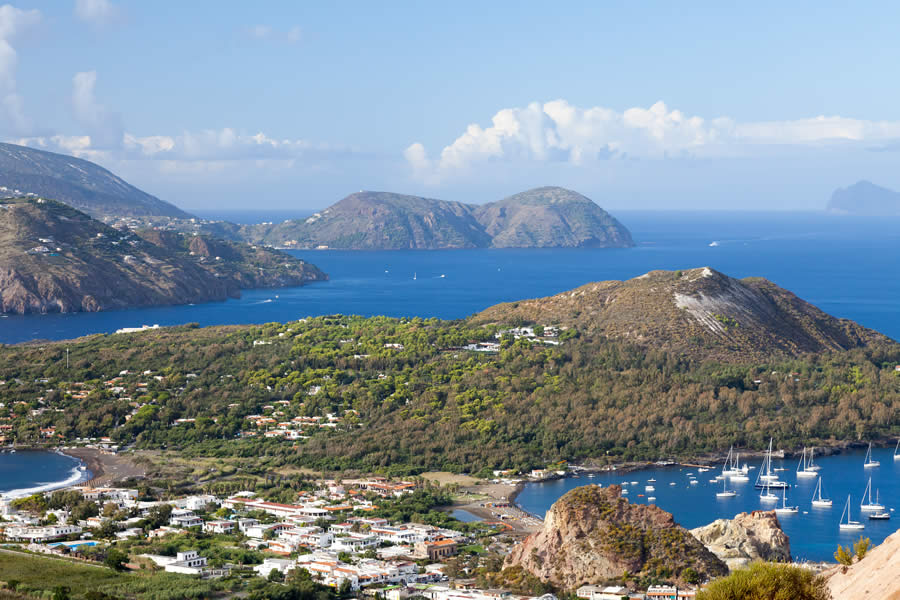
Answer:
x=96 y=12
x=267 y=33
x=13 y=22
x=558 y=131
x=103 y=125
x=207 y=146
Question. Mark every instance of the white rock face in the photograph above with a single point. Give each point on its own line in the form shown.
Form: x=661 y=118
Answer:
x=746 y=537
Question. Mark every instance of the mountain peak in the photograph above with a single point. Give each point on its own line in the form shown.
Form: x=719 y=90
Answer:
x=700 y=312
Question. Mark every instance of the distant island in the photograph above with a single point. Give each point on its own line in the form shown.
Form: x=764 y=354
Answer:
x=54 y=258
x=546 y=217
x=865 y=198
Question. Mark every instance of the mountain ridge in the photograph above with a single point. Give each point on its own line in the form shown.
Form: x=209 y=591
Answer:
x=543 y=217
x=79 y=183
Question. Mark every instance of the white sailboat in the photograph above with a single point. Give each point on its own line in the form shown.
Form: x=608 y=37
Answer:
x=849 y=524
x=867 y=503
x=810 y=465
x=818 y=501
x=784 y=509
x=414 y=275
x=869 y=462
x=803 y=470
x=726 y=493
x=765 y=472
x=897 y=451
x=767 y=496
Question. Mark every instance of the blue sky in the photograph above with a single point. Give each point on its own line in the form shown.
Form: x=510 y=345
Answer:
x=293 y=105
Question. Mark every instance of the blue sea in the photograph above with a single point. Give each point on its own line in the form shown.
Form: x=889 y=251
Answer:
x=30 y=471
x=813 y=532
x=847 y=266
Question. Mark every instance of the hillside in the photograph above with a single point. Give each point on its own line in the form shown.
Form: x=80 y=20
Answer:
x=79 y=183
x=699 y=312
x=381 y=220
x=875 y=576
x=593 y=535
x=54 y=258
x=865 y=198
x=543 y=217
x=550 y=217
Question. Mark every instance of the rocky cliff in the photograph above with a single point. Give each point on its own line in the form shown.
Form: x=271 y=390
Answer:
x=745 y=538
x=593 y=534
x=54 y=258
x=699 y=312
x=540 y=218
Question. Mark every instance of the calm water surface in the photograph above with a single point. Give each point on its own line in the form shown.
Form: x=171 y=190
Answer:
x=846 y=266
x=28 y=472
x=813 y=532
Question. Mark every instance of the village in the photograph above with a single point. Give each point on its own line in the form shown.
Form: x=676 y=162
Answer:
x=329 y=532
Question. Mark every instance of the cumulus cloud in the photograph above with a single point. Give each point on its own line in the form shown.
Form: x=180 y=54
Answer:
x=267 y=33
x=103 y=125
x=13 y=22
x=559 y=131
x=96 y=12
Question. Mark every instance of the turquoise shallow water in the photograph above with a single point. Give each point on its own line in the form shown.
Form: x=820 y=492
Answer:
x=846 y=266
x=813 y=532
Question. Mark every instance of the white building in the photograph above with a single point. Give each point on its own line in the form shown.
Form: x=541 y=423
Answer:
x=41 y=534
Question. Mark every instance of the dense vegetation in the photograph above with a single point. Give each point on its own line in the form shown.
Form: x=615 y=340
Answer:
x=406 y=397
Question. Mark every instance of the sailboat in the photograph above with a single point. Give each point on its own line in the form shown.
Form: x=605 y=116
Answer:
x=725 y=493
x=849 y=524
x=414 y=275
x=869 y=462
x=767 y=495
x=897 y=451
x=765 y=478
x=867 y=503
x=810 y=465
x=784 y=509
x=803 y=469
x=818 y=501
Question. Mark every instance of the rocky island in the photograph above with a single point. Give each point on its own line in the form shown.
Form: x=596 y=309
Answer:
x=547 y=217
x=866 y=199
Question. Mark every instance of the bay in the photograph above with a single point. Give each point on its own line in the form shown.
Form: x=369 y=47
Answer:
x=26 y=472
x=847 y=266
x=813 y=532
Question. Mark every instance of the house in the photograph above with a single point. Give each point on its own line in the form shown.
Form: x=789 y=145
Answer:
x=275 y=564
x=40 y=534
x=187 y=563
x=596 y=592
x=436 y=551
x=197 y=502
x=665 y=592
x=219 y=526
x=185 y=521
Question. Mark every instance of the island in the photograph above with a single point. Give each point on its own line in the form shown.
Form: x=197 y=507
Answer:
x=867 y=199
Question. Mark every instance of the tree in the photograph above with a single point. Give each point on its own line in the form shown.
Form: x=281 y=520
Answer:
x=60 y=592
x=276 y=575
x=690 y=576
x=843 y=555
x=861 y=547
x=115 y=559
x=767 y=580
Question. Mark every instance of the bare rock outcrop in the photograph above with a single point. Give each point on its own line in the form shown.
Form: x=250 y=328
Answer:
x=593 y=534
x=875 y=576
x=747 y=537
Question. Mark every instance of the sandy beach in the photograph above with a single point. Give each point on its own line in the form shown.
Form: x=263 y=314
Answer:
x=106 y=468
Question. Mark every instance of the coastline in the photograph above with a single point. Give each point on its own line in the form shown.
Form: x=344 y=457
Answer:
x=105 y=467
x=76 y=476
